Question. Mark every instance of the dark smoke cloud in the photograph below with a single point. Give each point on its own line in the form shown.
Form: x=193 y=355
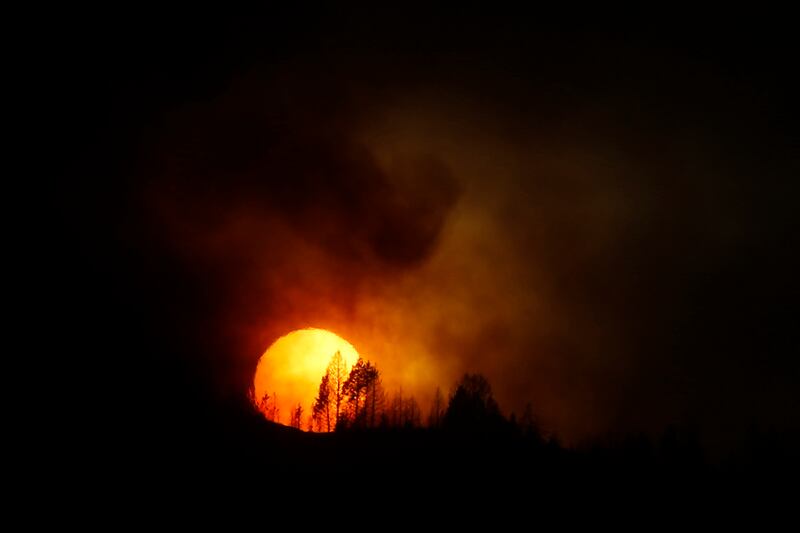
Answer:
x=286 y=215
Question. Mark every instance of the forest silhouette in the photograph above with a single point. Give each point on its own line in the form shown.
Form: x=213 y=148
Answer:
x=466 y=435
x=357 y=399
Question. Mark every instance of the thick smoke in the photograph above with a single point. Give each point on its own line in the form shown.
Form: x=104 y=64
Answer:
x=594 y=252
x=286 y=218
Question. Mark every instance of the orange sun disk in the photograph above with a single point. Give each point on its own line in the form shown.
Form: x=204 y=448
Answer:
x=292 y=367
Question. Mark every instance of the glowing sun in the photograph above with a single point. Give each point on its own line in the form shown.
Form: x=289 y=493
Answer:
x=292 y=367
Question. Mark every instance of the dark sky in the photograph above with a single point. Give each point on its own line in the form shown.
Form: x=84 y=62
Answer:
x=600 y=218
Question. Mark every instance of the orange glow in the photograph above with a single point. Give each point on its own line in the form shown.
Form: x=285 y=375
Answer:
x=292 y=367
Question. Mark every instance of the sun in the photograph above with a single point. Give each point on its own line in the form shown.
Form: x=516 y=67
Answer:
x=292 y=367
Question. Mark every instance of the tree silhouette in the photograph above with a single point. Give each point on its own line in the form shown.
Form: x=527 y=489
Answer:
x=411 y=413
x=403 y=412
x=357 y=386
x=268 y=406
x=395 y=414
x=263 y=404
x=337 y=374
x=472 y=406
x=296 y=416
x=321 y=410
x=375 y=401
x=437 y=410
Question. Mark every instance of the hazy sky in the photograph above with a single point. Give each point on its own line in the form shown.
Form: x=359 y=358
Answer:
x=602 y=223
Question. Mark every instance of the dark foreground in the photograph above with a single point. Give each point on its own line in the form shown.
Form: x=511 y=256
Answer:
x=242 y=448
